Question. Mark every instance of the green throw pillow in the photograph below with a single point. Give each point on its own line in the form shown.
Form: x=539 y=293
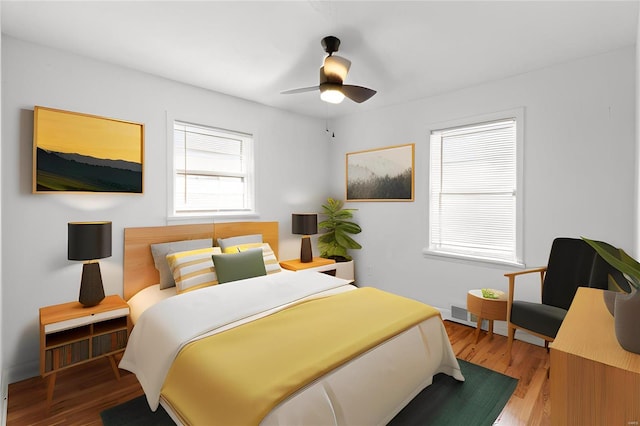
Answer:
x=238 y=266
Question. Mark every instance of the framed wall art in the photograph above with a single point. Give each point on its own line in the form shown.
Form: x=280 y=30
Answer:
x=384 y=174
x=74 y=152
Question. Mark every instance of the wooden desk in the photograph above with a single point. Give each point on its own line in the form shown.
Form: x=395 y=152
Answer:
x=593 y=380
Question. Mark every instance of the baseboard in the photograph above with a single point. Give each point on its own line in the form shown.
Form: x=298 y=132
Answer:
x=499 y=327
x=5 y=398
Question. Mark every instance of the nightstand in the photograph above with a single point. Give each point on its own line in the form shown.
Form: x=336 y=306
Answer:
x=486 y=309
x=319 y=264
x=342 y=270
x=71 y=334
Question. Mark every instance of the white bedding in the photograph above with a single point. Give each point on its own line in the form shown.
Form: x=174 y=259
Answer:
x=146 y=298
x=164 y=328
x=152 y=294
x=352 y=395
x=403 y=365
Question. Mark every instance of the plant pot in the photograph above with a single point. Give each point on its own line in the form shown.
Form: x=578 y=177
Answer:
x=610 y=300
x=627 y=318
x=338 y=259
x=345 y=270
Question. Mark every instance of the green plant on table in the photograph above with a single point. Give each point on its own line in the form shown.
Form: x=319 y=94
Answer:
x=336 y=241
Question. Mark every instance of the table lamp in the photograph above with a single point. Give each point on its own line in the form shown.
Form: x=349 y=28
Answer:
x=305 y=224
x=89 y=241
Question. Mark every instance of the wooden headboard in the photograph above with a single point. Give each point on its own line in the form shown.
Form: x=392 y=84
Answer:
x=139 y=269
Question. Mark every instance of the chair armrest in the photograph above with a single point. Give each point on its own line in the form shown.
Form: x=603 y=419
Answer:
x=512 y=280
x=526 y=271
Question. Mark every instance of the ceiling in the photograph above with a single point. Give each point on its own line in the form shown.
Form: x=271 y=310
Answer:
x=255 y=50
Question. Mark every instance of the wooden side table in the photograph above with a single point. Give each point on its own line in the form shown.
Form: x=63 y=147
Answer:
x=318 y=263
x=71 y=334
x=486 y=309
x=342 y=270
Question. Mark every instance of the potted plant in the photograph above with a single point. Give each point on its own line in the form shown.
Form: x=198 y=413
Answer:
x=626 y=310
x=335 y=241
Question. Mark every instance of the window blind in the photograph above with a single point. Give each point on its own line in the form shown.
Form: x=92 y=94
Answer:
x=473 y=191
x=212 y=169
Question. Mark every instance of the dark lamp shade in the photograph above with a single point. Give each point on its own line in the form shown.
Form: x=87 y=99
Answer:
x=89 y=240
x=304 y=223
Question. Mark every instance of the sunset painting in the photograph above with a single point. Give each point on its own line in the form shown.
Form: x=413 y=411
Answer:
x=85 y=153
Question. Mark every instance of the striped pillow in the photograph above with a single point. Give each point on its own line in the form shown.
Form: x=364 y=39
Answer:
x=270 y=260
x=193 y=269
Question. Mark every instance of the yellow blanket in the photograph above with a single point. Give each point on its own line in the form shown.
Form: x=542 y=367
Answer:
x=236 y=377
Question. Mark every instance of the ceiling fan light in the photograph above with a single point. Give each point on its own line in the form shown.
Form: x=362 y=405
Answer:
x=332 y=96
x=336 y=67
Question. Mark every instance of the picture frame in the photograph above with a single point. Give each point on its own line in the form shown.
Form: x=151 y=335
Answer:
x=76 y=152
x=381 y=174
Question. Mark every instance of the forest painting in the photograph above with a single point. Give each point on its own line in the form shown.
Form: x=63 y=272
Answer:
x=384 y=174
x=85 y=153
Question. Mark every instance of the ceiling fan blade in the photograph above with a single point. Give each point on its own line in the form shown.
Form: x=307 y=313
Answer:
x=357 y=94
x=301 y=90
x=336 y=68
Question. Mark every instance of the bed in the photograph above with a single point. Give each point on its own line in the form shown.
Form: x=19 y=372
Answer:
x=279 y=349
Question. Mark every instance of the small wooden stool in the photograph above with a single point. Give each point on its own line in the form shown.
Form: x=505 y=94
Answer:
x=486 y=309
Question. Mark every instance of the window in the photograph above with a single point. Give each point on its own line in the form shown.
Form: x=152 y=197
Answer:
x=213 y=170
x=475 y=207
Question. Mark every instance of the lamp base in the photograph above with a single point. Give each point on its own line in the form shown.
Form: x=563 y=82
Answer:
x=91 y=289
x=306 y=254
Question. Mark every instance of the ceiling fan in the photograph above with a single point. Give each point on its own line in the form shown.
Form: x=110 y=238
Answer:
x=332 y=75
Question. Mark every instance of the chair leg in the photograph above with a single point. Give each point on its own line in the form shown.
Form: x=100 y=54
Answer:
x=511 y=333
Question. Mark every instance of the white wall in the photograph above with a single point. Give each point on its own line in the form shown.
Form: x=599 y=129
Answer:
x=579 y=179
x=34 y=226
x=637 y=168
x=4 y=386
x=579 y=174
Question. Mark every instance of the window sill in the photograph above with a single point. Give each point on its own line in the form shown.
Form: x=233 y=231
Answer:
x=457 y=257
x=211 y=217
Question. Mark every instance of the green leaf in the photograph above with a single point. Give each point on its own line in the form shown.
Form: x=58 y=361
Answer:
x=618 y=259
x=346 y=241
x=349 y=227
x=342 y=215
x=326 y=238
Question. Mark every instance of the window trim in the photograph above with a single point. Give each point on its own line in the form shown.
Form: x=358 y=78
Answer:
x=519 y=115
x=172 y=215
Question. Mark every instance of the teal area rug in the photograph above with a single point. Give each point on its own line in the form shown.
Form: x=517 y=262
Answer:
x=477 y=401
x=135 y=413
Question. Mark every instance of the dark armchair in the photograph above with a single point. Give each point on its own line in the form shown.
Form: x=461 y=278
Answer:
x=572 y=264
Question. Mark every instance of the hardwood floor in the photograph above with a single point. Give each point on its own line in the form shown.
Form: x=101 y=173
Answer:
x=529 y=404
x=81 y=393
